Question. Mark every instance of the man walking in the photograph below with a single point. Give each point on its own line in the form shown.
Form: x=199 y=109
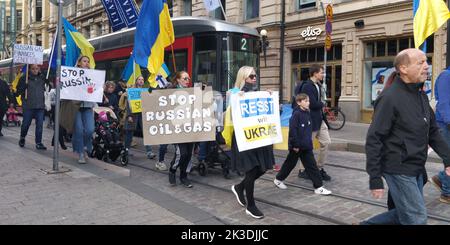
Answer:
x=4 y=94
x=403 y=126
x=33 y=104
x=313 y=89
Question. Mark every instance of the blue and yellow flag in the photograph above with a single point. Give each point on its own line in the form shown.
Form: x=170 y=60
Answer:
x=16 y=82
x=130 y=74
x=429 y=16
x=76 y=45
x=154 y=32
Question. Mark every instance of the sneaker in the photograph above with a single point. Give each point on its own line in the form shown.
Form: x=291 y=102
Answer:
x=325 y=176
x=40 y=146
x=81 y=159
x=22 y=142
x=280 y=184
x=322 y=191
x=161 y=166
x=436 y=182
x=239 y=196
x=172 y=179
x=303 y=174
x=445 y=199
x=186 y=183
x=151 y=155
x=254 y=212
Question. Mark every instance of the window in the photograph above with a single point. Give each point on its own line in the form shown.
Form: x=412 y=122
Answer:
x=170 y=6
x=8 y=24
x=251 y=9
x=87 y=32
x=187 y=7
x=218 y=14
x=86 y=3
x=19 y=20
x=38 y=40
x=98 y=30
x=38 y=10
x=316 y=54
x=303 y=4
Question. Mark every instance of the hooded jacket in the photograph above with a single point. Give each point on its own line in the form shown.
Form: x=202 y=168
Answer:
x=300 y=130
x=402 y=128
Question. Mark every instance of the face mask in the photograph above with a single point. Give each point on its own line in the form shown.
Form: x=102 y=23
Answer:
x=250 y=87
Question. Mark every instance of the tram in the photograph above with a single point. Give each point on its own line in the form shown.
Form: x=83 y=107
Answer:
x=211 y=51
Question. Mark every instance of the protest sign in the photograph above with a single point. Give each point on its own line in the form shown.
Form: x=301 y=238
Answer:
x=28 y=54
x=82 y=84
x=256 y=119
x=174 y=116
x=134 y=99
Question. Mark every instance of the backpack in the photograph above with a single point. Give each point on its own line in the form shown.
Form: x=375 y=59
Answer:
x=297 y=90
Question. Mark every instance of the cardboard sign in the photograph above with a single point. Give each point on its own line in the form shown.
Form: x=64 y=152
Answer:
x=82 y=84
x=174 y=116
x=256 y=119
x=134 y=99
x=28 y=54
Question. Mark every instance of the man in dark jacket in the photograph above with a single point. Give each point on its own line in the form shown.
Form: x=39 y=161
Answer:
x=313 y=89
x=33 y=104
x=396 y=146
x=5 y=93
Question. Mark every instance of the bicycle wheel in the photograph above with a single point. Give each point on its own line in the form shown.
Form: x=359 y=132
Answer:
x=335 y=118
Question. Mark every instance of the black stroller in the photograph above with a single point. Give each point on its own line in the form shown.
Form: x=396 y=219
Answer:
x=106 y=143
x=216 y=156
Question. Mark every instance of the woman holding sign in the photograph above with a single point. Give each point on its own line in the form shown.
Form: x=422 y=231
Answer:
x=84 y=121
x=253 y=162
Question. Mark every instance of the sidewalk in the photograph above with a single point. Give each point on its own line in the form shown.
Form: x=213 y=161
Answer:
x=30 y=196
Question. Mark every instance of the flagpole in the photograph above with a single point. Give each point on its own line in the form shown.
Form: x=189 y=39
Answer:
x=53 y=52
x=173 y=59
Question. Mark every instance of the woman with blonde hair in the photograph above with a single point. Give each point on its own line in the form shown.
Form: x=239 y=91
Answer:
x=255 y=162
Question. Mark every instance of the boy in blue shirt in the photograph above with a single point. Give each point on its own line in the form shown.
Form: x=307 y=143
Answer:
x=301 y=146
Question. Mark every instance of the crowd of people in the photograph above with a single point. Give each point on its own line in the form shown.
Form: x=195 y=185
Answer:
x=403 y=127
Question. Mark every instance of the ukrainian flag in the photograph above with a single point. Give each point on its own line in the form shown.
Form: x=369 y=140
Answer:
x=429 y=16
x=154 y=32
x=130 y=74
x=16 y=82
x=76 y=45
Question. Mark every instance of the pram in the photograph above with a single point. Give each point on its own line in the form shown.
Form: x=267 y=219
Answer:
x=106 y=143
x=12 y=117
x=216 y=155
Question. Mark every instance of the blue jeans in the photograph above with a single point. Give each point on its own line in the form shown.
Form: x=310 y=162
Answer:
x=203 y=150
x=445 y=132
x=162 y=152
x=445 y=180
x=407 y=193
x=28 y=115
x=83 y=130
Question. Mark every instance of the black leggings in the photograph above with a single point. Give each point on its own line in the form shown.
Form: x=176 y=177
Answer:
x=248 y=184
x=2 y=114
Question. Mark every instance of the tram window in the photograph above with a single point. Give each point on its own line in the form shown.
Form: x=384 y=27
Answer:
x=181 y=60
x=205 y=69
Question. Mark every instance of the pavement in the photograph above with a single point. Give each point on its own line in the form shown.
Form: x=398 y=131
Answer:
x=104 y=193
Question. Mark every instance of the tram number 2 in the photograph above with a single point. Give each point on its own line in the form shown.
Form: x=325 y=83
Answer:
x=244 y=44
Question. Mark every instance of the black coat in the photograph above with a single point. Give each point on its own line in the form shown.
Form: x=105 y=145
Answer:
x=402 y=128
x=316 y=105
x=5 y=93
x=300 y=130
x=34 y=89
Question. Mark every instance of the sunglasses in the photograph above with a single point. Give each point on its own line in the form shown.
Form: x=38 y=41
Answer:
x=252 y=76
x=186 y=78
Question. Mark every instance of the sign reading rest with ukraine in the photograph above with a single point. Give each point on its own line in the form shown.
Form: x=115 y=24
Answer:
x=256 y=119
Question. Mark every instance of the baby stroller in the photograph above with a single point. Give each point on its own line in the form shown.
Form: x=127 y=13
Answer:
x=12 y=117
x=216 y=156
x=106 y=143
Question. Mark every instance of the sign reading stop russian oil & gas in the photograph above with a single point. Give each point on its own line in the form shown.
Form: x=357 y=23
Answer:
x=256 y=119
x=28 y=54
x=82 y=84
x=173 y=116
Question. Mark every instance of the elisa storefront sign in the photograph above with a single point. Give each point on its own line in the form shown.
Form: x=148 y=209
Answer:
x=311 y=33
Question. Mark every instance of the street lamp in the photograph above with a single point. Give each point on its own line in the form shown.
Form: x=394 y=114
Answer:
x=264 y=44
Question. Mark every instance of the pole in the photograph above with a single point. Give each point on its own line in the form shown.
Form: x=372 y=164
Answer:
x=58 y=87
x=448 y=39
x=173 y=59
x=282 y=33
x=325 y=56
x=52 y=53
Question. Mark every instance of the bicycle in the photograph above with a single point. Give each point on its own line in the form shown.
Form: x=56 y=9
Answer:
x=334 y=117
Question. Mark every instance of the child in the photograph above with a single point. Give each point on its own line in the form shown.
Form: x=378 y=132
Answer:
x=11 y=115
x=301 y=145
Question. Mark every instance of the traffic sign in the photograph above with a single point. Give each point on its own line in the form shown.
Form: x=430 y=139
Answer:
x=328 y=42
x=328 y=27
x=329 y=11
